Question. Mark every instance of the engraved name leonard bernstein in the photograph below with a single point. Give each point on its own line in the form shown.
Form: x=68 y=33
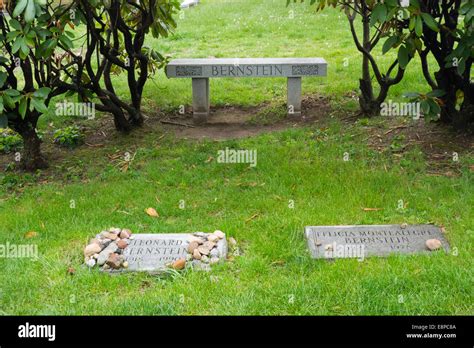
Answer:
x=379 y=236
x=161 y=249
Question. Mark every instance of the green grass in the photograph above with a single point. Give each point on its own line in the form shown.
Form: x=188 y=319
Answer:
x=275 y=266
x=262 y=28
x=275 y=274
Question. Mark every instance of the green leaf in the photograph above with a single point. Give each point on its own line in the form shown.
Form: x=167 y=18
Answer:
x=19 y=8
x=38 y=105
x=48 y=46
x=42 y=92
x=379 y=13
x=8 y=101
x=403 y=57
x=66 y=41
x=15 y=24
x=436 y=93
x=461 y=66
x=411 y=25
x=411 y=94
x=3 y=78
x=419 y=26
x=3 y=117
x=434 y=107
x=11 y=92
x=429 y=21
x=389 y=43
x=17 y=44
x=22 y=106
x=425 y=107
x=30 y=11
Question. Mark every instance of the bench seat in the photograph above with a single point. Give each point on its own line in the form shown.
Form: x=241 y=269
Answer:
x=201 y=69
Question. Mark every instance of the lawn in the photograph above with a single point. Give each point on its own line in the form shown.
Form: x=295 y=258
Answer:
x=261 y=28
x=274 y=274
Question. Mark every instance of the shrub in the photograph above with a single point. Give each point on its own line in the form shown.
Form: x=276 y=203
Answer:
x=69 y=137
x=9 y=140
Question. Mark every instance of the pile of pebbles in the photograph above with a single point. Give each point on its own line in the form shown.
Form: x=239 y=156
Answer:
x=206 y=248
x=106 y=249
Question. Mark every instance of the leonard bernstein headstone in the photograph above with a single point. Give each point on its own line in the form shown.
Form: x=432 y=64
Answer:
x=370 y=240
x=152 y=252
x=155 y=252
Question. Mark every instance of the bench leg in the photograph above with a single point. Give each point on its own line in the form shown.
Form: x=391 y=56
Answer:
x=200 y=100
x=294 y=96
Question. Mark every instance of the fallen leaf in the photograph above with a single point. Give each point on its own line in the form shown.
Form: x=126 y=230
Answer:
x=152 y=212
x=179 y=264
x=371 y=209
x=31 y=234
x=71 y=271
x=252 y=217
x=123 y=212
x=278 y=263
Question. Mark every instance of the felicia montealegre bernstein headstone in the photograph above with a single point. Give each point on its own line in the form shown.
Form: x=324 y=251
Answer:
x=371 y=240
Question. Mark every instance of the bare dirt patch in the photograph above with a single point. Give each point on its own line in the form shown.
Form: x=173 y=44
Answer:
x=230 y=122
x=102 y=143
x=443 y=147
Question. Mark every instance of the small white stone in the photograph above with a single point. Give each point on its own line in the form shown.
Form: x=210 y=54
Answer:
x=214 y=252
x=433 y=244
x=219 y=234
x=90 y=263
x=92 y=249
x=213 y=238
x=214 y=260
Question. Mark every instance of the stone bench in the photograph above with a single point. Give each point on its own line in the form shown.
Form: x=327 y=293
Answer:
x=200 y=70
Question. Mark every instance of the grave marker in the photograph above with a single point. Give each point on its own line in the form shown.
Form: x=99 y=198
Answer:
x=370 y=240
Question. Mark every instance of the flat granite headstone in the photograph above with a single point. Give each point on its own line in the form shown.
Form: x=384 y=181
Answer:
x=360 y=241
x=154 y=252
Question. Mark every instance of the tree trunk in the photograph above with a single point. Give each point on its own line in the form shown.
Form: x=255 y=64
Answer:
x=368 y=104
x=31 y=158
x=136 y=119
x=450 y=82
